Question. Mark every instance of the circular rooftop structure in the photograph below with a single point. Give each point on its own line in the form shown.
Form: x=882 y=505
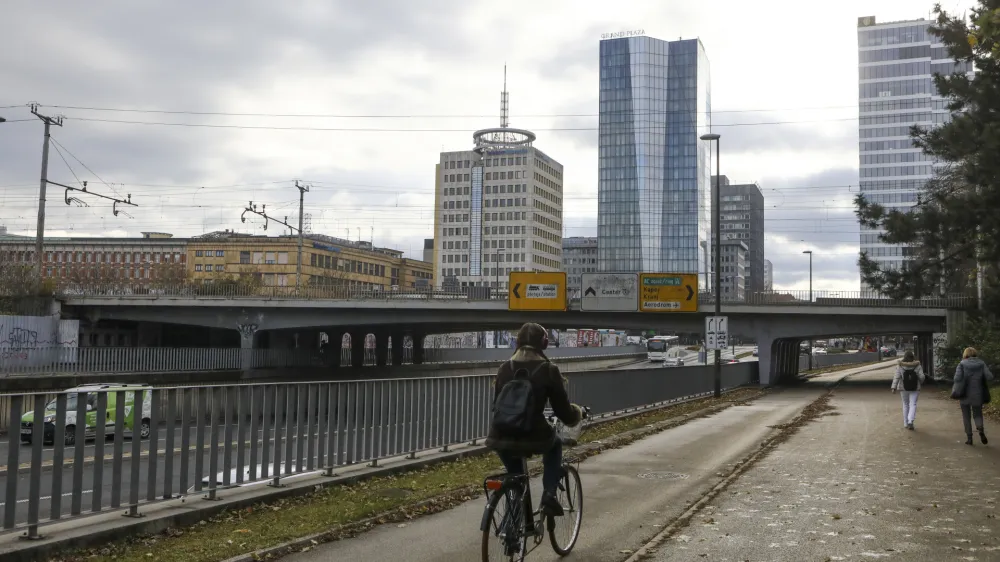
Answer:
x=495 y=138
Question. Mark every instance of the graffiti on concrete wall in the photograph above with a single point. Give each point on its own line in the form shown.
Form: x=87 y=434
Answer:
x=36 y=339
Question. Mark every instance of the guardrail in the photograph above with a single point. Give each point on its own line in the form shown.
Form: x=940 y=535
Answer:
x=238 y=291
x=839 y=299
x=816 y=297
x=208 y=439
x=131 y=360
x=76 y=360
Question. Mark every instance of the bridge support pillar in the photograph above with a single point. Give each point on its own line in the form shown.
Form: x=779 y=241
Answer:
x=248 y=335
x=418 y=349
x=358 y=349
x=396 y=349
x=925 y=353
x=381 y=348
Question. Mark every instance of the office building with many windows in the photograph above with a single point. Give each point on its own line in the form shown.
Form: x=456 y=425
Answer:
x=498 y=209
x=654 y=209
x=579 y=256
x=742 y=219
x=896 y=61
x=735 y=269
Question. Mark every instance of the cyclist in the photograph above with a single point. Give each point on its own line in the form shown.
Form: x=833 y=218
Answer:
x=549 y=386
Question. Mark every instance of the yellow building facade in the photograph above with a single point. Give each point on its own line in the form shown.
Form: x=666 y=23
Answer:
x=326 y=262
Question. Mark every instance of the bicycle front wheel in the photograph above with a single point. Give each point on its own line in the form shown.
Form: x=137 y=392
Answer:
x=565 y=530
x=503 y=532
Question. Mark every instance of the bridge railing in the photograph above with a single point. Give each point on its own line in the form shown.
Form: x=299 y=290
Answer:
x=838 y=299
x=205 y=440
x=125 y=360
x=484 y=294
x=238 y=291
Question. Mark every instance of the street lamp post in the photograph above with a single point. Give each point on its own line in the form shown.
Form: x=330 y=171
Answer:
x=717 y=209
x=810 y=301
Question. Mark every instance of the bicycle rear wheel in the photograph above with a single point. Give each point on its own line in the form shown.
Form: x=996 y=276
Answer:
x=503 y=532
x=565 y=530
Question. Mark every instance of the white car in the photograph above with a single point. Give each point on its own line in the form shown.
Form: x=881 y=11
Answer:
x=205 y=484
x=673 y=362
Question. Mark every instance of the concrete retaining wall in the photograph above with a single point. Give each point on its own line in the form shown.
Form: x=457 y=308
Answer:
x=834 y=359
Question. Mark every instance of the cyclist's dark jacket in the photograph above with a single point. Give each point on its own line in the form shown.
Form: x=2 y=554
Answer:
x=548 y=387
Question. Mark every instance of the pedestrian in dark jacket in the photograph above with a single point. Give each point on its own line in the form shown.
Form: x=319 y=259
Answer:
x=971 y=376
x=548 y=386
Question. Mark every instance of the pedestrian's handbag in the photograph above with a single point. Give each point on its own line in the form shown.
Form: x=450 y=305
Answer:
x=958 y=389
x=986 y=390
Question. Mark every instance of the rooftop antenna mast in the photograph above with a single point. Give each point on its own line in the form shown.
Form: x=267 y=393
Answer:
x=504 y=101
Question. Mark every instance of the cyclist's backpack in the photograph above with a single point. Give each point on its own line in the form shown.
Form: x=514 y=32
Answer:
x=515 y=404
x=910 y=379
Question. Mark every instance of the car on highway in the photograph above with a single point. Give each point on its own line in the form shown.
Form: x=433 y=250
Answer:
x=92 y=391
x=672 y=358
x=887 y=351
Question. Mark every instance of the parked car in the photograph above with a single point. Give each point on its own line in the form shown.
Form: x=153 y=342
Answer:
x=887 y=351
x=754 y=352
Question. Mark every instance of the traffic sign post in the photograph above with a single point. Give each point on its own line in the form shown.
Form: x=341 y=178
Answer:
x=610 y=291
x=536 y=290
x=716 y=332
x=668 y=292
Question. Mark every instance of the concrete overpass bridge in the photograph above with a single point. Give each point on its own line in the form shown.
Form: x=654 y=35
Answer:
x=777 y=325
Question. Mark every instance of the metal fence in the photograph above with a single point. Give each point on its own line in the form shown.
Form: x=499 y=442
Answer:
x=211 y=438
x=75 y=360
x=816 y=297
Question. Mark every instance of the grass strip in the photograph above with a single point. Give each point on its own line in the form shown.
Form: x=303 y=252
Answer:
x=343 y=511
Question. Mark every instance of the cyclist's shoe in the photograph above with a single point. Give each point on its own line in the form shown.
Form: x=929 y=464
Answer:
x=550 y=505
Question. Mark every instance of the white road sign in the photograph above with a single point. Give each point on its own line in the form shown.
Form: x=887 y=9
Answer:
x=610 y=291
x=542 y=291
x=716 y=332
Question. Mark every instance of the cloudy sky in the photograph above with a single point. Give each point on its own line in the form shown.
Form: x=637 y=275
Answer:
x=197 y=108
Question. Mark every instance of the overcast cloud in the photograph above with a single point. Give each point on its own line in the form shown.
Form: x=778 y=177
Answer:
x=783 y=91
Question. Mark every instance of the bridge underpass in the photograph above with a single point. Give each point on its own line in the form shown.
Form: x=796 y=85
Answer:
x=776 y=328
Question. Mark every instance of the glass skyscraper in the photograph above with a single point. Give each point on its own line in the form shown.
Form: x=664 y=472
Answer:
x=654 y=208
x=895 y=63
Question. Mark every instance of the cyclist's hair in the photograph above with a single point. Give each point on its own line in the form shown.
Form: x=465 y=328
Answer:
x=908 y=357
x=532 y=335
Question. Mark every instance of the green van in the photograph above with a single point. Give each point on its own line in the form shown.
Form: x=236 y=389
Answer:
x=90 y=432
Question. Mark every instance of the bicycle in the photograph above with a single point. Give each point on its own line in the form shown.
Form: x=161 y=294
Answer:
x=511 y=529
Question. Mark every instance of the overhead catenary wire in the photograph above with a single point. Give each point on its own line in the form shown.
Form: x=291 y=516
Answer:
x=427 y=116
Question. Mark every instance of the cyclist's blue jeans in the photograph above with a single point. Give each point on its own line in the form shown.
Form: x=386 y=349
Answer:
x=551 y=465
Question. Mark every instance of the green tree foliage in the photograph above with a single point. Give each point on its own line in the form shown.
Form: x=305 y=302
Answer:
x=940 y=233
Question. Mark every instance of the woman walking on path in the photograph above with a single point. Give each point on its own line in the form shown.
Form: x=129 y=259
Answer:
x=909 y=377
x=971 y=376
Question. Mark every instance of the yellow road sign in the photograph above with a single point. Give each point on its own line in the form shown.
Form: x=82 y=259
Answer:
x=668 y=292
x=530 y=290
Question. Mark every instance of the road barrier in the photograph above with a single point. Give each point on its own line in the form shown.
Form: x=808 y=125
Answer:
x=268 y=432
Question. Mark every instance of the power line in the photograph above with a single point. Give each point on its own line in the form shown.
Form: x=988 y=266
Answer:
x=87 y=167
x=431 y=116
x=386 y=130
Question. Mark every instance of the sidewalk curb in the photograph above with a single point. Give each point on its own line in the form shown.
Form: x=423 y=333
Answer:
x=174 y=514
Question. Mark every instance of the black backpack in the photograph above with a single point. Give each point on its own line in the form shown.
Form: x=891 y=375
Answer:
x=515 y=404
x=910 y=379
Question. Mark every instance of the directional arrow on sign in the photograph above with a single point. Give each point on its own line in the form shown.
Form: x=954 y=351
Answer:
x=516 y=294
x=590 y=291
x=690 y=292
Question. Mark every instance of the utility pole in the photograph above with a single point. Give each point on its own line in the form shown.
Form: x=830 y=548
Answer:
x=40 y=232
x=298 y=268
